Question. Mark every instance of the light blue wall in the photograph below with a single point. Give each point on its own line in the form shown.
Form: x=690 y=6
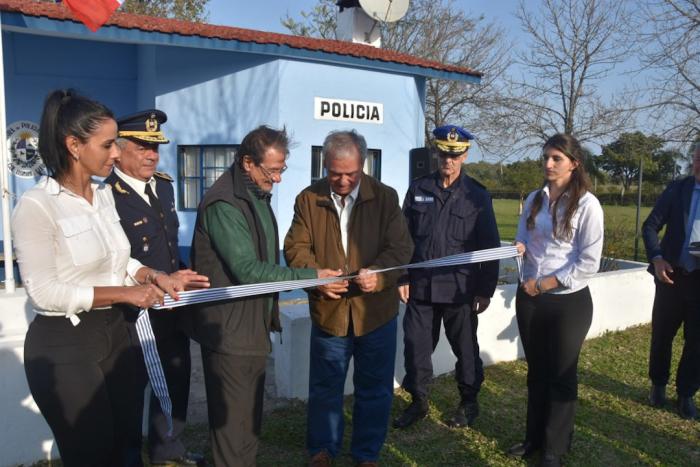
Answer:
x=401 y=131
x=216 y=97
x=211 y=97
x=36 y=65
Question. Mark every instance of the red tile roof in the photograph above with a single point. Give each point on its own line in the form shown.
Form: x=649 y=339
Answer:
x=171 y=26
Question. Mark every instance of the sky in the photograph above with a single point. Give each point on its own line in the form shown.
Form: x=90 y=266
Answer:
x=265 y=15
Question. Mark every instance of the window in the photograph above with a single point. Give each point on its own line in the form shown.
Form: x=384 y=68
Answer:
x=199 y=167
x=373 y=164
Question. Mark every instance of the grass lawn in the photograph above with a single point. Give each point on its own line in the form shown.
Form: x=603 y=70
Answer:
x=619 y=226
x=614 y=424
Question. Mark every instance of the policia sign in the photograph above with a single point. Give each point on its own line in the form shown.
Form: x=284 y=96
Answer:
x=348 y=111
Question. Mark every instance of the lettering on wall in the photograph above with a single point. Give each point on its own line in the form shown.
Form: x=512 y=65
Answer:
x=23 y=144
x=348 y=111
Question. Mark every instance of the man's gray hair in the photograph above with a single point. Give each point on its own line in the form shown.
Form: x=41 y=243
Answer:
x=338 y=143
x=121 y=142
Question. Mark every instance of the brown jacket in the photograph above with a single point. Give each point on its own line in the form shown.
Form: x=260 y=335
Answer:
x=377 y=238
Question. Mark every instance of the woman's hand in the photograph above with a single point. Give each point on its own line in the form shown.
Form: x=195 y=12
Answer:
x=143 y=296
x=530 y=287
x=521 y=248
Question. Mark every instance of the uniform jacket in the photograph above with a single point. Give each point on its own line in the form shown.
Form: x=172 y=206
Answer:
x=465 y=222
x=241 y=326
x=377 y=238
x=671 y=210
x=153 y=242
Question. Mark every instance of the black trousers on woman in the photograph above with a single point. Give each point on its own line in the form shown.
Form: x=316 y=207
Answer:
x=86 y=381
x=552 y=329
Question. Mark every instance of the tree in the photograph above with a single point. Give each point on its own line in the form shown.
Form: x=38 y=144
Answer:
x=441 y=31
x=574 y=44
x=621 y=158
x=523 y=176
x=670 y=30
x=189 y=10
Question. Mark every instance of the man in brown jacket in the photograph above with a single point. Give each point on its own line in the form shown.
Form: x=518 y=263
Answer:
x=350 y=221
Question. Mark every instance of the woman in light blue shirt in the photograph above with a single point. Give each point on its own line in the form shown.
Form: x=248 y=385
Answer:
x=561 y=236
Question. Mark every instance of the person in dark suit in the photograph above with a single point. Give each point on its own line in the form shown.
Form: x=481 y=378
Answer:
x=145 y=202
x=447 y=213
x=677 y=277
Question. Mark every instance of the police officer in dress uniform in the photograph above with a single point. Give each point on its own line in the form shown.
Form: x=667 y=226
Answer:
x=447 y=213
x=146 y=204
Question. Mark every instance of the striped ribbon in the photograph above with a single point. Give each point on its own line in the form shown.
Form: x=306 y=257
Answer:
x=237 y=291
x=147 y=339
x=153 y=366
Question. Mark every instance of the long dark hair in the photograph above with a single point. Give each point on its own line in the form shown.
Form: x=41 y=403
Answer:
x=578 y=185
x=66 y=113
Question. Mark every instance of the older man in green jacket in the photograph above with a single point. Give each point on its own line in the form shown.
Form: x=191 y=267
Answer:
x=353 y=222
x=236 y=242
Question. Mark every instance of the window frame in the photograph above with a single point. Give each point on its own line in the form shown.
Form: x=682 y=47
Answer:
x=201 y=169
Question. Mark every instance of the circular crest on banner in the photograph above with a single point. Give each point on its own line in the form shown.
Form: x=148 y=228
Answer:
x=23 y=144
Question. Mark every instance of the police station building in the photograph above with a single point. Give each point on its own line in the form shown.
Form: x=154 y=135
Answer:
x=216 y=84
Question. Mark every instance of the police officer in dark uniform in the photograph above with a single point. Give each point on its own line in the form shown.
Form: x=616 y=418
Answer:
x=145 y=202
x=447 y=213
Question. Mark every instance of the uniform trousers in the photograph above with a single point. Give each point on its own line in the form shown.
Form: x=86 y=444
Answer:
x=552 y=329
x=235 y=387
x=675 y=305
x=421 y=325
x=174 y=352
x=86 y=380
x=373 y=377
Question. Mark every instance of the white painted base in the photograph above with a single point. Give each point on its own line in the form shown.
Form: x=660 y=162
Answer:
x=621 y=299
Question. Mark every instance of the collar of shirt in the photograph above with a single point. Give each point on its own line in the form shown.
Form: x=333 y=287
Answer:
x=52 y=187
x=139 y=186
x=349 y=199
x=545 y=191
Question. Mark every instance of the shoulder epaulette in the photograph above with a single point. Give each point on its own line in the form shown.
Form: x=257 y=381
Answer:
x=120 y=189
x=163 y=175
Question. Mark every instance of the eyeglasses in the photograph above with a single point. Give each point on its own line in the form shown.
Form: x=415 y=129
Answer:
x=269 y=173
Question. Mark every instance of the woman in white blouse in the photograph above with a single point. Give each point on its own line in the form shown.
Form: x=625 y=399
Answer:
x=81 y=357
x=561 y=236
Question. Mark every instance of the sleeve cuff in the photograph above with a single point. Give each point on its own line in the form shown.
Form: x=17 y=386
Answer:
x=86 y=296
x=132 y=267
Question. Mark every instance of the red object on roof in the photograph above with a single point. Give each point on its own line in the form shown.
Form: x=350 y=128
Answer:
x=172 y=26
x=93 y=13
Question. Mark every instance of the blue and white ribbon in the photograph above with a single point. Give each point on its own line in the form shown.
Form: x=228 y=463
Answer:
x=147 y=339
x=153 y=366
x=238 y=291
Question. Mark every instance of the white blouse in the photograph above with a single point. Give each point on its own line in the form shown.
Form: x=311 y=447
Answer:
x=65 y=246
x=574 y=261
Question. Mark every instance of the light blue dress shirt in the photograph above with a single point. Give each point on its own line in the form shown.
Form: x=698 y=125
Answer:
x=692 y=231
x=572 y=261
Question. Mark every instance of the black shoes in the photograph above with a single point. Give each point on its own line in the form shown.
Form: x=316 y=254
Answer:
x=686 y=408
x=190 y=459
x=523 y=450
x=417 y=410
x=657 y=395
x=465 y=415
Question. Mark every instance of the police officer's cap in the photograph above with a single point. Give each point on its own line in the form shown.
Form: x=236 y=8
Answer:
x=452 y=140
x=143 y=127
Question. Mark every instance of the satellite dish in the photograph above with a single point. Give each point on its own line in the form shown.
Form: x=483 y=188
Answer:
x=387 y=11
